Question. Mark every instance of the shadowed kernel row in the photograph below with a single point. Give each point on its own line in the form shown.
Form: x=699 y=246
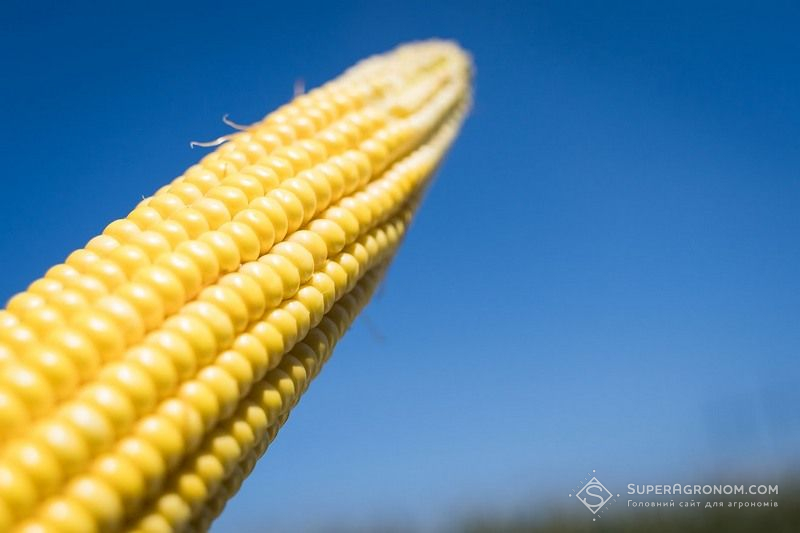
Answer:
x=197 y=493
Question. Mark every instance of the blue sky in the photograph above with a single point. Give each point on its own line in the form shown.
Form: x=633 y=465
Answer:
x=604 y=275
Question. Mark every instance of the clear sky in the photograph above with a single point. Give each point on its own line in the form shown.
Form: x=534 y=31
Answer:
x=604 y=275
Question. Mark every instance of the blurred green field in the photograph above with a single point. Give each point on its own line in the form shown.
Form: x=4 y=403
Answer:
x=782 y=519
x=785 y=518
x=567 y=519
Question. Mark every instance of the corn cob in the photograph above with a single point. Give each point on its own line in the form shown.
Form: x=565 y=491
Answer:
x=120 y=367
